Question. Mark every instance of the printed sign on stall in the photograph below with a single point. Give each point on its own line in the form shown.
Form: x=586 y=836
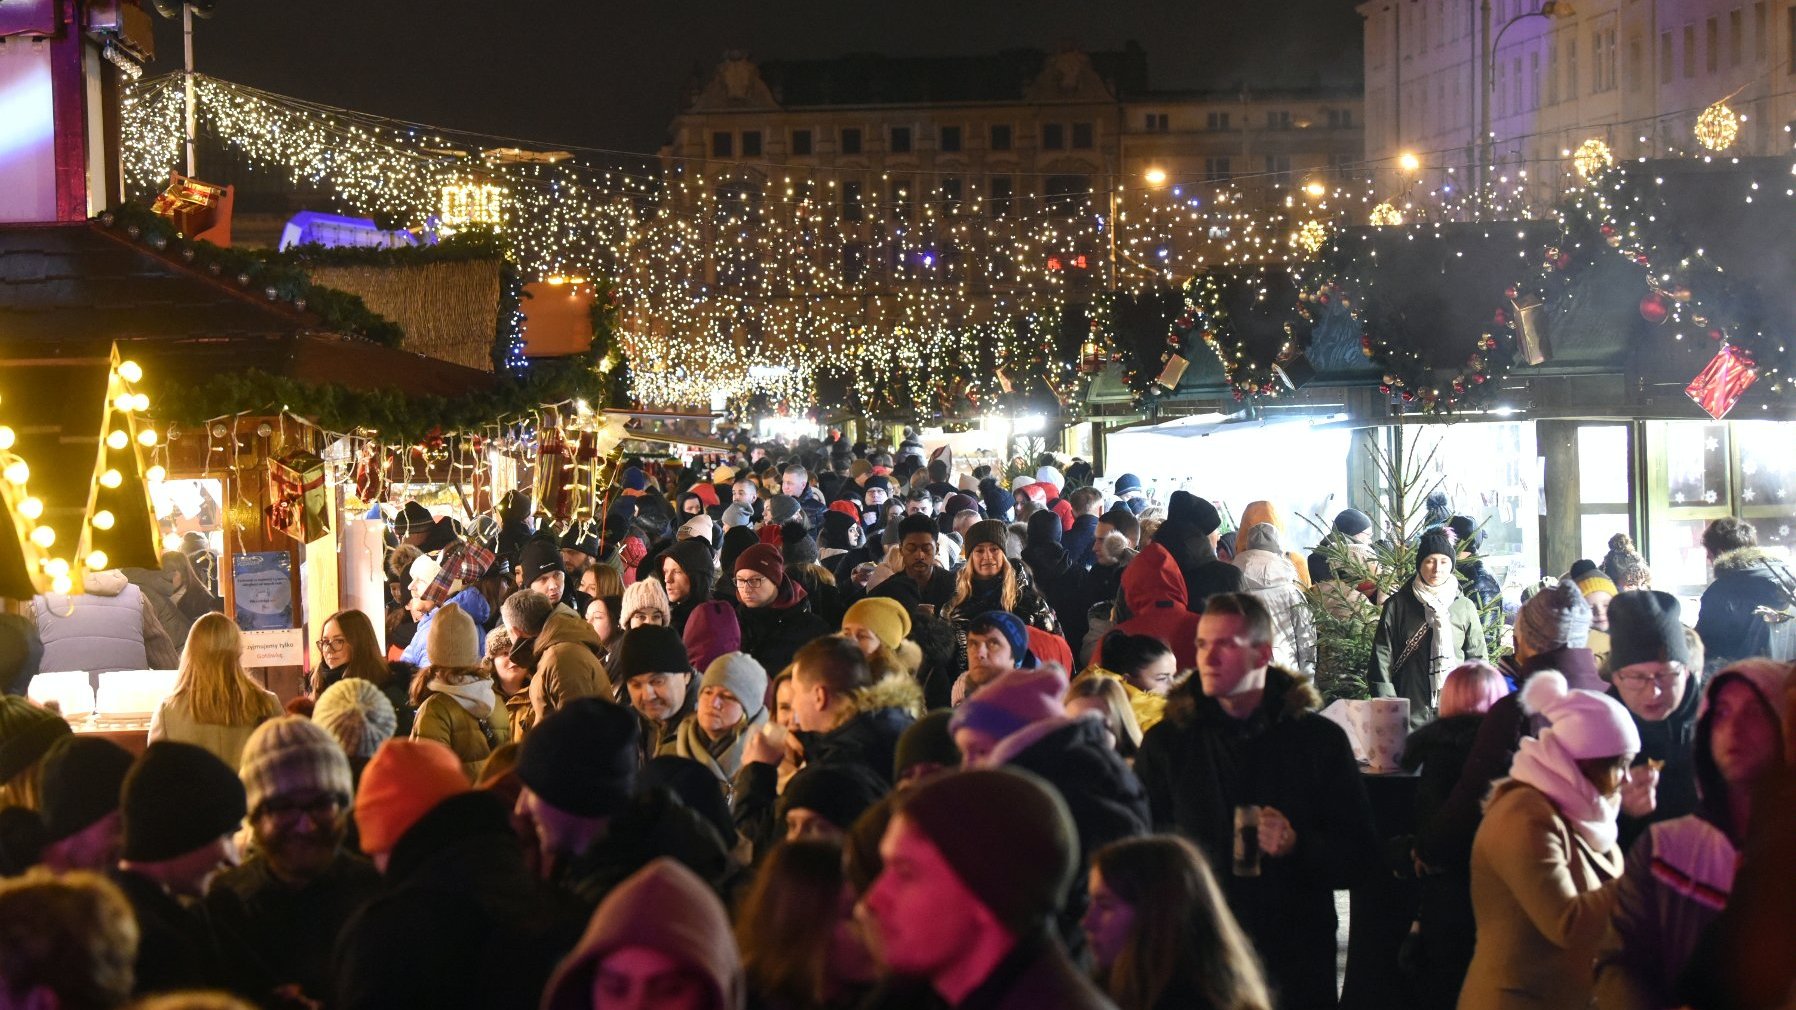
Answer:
x=263 y=583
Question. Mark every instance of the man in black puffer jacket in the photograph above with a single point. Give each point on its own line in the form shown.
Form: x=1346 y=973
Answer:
x=1187 y=533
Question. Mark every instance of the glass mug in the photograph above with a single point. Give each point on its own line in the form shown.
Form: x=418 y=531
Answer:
x=1247 y=841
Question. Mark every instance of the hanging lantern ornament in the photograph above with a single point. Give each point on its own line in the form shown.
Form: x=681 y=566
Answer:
x=1592 y=157
x=1310 y=237
x=1717 y=127
x=1386 y=216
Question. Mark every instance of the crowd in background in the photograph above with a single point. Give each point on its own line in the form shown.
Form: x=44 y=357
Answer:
x=823 y=726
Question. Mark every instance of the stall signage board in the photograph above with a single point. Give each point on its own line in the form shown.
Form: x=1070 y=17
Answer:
x=277 y=647
x=263 y=583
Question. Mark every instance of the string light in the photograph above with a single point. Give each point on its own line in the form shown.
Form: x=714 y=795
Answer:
x=1385 y=216
x=1591 y=157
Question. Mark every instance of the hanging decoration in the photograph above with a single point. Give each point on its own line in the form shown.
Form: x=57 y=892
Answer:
x=1385 y=215
x=1717 y=127
x=1719 y=386
x=300 y=506
x=1310 y=237
x=1592 y=157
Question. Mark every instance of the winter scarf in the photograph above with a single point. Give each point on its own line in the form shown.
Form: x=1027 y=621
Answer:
x=1544 y=763
x=476 y=696
x=1437 y=601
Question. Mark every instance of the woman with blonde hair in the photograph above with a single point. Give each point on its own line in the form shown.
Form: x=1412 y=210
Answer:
x=879 y=626
x=1095 y=692
x=215 y=704
x=987 y=582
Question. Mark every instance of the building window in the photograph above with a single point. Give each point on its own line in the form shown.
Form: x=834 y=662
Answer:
x=1216 y=169
x=900 y=143
x=1712 y=44
x=1636 y=63
x=952 y=194
x=723 y=144
x=1761 y=31
x=1340 y=166
x=1667 y=59
x=1000 y=136
x=1067 y=194
x=949 y=140
x=1553 y=71
x=1790 y=59
x=1689 y=51
x=1602 y=53
x=1533 y=81
x=1571 y=66
x=852 y=207
x=1278 y=164
x=1082 y=136
x=851 y=140
x=1280 y=120
x=751 y=143
x=902 y=201
x=1156 y=122
x=1217 y=121
x=801 y=142
x=854 y=261
x=1736 y=37
x=1340 y=119
x=1002 y=195
x=1053 y=136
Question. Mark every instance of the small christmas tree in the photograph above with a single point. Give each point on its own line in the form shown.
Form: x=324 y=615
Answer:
x=1346 y=610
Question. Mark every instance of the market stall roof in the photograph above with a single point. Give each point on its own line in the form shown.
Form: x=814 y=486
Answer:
x=71 y=290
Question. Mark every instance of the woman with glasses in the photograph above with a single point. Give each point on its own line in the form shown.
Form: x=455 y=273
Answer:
x=1650 y=671
x=215 y=704
x=347 y=647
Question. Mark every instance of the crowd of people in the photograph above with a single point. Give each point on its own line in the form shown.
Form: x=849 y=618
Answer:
x=829 y=726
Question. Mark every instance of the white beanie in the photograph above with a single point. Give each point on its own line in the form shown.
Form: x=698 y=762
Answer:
x=645 y=594
x=697 y=526
x=356 y=712
x=1585 y=724
x=1020 y=482
x=424 y=569
x=1049 y=475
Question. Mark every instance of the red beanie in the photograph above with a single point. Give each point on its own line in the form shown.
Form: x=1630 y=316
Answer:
x=404 y=781
x=706 y=493
x=763 y=560
x=847 y=508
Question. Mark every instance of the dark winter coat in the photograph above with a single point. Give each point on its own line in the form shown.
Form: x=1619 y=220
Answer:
x=1055 y=578
x=1200 y=763
x=1673 y=741
x=461 y=922
x=773 y=634
x=655 y=824
x=1482 y=588
x=1448 y=930
x=1036 y=975
x=827 y=601
x=694 y=558
x=1080 y=540
x=1745 y=579
x=1204 y=575
x=1107 y=801
x=175 y=946
x=276 y=934
x=1403 y=613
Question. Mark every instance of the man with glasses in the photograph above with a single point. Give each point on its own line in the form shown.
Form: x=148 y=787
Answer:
x=279 y=913
x=1649 y=668
x=774 y=611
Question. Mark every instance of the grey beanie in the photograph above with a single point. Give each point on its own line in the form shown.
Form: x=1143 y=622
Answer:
x=1555 y=617
x=743 y=676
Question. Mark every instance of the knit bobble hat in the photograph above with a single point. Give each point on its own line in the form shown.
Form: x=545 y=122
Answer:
x=289 y=755
x=986 y=531
x=1025 y=879
x=885 y=617
x=356 y=712
x=645 y=595
x=406 y=779
x=651 y=648
x=27 y=730
x=797 y=549
x=763 y=560
x=1435 y=541
x=1013 y=700
x=743 y=676
x=1644 y=627
x=454 y=641
x=582 y=759
x=1557 y=616
x=177 y=798
x=1352 y=522
x=1586 y=724
x=80 y=783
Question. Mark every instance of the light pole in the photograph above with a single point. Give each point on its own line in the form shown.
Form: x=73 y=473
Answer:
x=1550 y=9
x=1154 y=177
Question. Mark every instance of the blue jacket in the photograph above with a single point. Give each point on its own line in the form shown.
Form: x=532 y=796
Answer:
x=471 y=601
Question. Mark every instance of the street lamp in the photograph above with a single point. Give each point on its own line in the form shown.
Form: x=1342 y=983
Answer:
x=1155 y=177
x=1550 y=9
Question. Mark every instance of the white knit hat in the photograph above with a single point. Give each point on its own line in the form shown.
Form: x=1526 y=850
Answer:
x=356 y=712
x=1586 y=724
x=293 y=755
x=645 y=594
x=698 y=526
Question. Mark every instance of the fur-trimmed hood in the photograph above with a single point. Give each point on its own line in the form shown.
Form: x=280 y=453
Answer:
x=1113 y=549
x=1746 y=559
x=1288 y=695
x=894 y=691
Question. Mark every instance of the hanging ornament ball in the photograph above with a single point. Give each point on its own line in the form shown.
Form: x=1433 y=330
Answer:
x=1310 y=237
x=1717 y=127
x=1592 y=157
x=1654 y=308
x=1385 y=388
x=1386 y=216
x=243 y=279
x=1479 y=379
x=264 y=429
x=133 y=230
x=1715 y=333
x=1510 y=292
x=218 y=431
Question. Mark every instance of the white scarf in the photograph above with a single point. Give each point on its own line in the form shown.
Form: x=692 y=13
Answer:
x=1437 y=602
x=476 y=696
x=1544 y=763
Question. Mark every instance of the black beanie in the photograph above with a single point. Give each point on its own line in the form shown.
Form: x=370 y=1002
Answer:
x=797 y=548
x=1189 y=508
x=1320 y=571
x=82 y=779
x=27 y=730
x=650 y=648
x=1045 y=528
x=927 y=741
x=839 y=793
x=695 y=786
x=582 y=759
x=1644 y=628
x=917 y=522
x=540 y=556
x=1435 y=541
x=177 y=798
x=1021 y=881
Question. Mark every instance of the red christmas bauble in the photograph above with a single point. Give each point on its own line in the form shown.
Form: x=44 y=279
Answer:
x=1715 y=333
x=1510 y=291
x=1479 y=379
x=1385 y=388
x=1654 y=308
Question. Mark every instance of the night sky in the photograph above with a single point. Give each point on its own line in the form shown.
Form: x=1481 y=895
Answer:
x=596 y=74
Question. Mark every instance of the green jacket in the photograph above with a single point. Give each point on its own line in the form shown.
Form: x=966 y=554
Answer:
x=1405 y=613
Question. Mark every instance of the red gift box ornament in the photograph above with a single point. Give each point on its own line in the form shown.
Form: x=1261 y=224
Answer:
x=1726 y=378
x=300 y=504
x=553 y=462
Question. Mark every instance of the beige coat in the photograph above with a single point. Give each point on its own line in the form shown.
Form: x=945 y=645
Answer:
x=172 y=721
x=1543 y=898
x=567 y=664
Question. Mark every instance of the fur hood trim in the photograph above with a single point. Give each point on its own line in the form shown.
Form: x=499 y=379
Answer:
x=1297 y=696
x=1745 y=559
x=894 y=690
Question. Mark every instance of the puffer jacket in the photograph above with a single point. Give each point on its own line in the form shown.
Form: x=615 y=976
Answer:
x=110 y=626
x=1745 y=579
x=465 y=717
x=1154 y=591
x=1268 y=576
x=473 y=603
x=1265 y=512
x=566 y=653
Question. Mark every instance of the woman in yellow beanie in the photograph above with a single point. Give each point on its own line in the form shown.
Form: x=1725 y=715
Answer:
x=879 y=625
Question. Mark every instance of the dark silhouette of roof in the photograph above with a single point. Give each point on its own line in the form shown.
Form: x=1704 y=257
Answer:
x=873 y=79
